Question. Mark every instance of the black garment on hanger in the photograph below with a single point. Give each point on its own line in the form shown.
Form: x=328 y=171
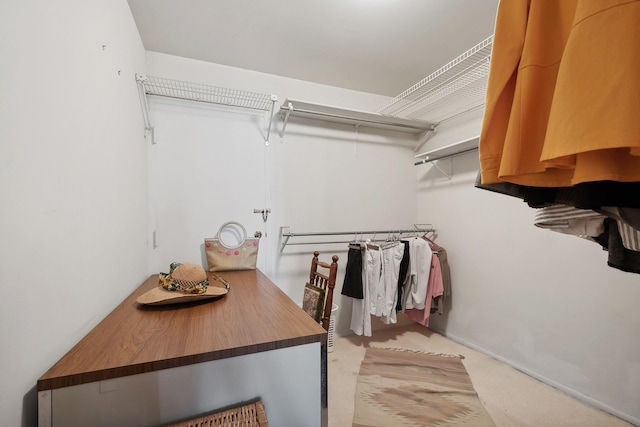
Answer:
x=586 y=195
x=352 y=285
x=402 y=274
x=619 y=257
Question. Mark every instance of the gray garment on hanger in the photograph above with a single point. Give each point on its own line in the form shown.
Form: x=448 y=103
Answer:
x=619 y=256
x=437 y=304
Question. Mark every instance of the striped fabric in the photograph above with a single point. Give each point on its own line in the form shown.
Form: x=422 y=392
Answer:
x=584 y=223
x=570 y=220
x=630 y=236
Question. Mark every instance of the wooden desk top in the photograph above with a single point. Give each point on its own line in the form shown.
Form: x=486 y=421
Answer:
x=254 y=316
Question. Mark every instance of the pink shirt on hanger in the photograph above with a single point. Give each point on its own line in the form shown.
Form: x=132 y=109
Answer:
x=435 y=288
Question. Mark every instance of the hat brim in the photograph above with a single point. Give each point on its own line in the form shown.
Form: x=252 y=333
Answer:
x=160 y=296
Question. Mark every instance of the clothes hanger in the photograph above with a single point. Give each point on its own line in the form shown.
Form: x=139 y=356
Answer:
x=432 y=244
x=371 y=243
x=392 y=240
x=356 y=243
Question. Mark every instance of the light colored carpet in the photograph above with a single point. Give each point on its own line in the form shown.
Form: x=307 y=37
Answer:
x=511 y=398
x=413 y=389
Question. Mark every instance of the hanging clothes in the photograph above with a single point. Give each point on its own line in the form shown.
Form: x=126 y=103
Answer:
x=562 y=94
x=560 y=122
x=402 y=275
x=409 y=268
x=417 y=281
x=435 y=289
x=362 y=308
x=619 y=256
x=442 y=283
x=569 y=220
x=392 y=255
x=352 y=284
x=438 y=301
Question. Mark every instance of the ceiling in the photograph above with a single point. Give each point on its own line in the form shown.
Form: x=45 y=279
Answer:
x=375 y=46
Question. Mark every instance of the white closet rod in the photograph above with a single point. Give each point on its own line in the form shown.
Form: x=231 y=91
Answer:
x=310 y=110
x=287 y=234
x=289 y=108
x=429 y=159
x=447 y=151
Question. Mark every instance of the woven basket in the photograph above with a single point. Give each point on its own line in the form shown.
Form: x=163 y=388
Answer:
x=246 y=415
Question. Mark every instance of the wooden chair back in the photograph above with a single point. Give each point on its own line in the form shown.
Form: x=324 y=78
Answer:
x=323 y=275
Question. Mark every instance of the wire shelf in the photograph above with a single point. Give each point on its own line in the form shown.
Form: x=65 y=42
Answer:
x=205 y=93
x=160 y=86
x=455 y=88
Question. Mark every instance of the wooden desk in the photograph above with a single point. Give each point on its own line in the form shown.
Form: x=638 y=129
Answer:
x=144 y=365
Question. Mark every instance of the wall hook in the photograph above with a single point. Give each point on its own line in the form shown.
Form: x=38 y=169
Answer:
x=265 y=213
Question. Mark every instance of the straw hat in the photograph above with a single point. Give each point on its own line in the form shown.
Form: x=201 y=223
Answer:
x=185 y=283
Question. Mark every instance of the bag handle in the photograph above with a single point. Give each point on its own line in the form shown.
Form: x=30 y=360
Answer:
x=227 y=224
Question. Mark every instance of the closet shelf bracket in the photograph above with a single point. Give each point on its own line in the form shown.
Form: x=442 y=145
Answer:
x=424 y=138
x=448 y=175
x=145 y=109
x=150 y=85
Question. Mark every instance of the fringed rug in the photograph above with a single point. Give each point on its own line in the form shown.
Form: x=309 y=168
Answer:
x=408 y=388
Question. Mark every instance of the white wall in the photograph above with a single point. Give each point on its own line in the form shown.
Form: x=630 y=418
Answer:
x=321 y=176
x=74 y=213
x=544 y=302
x=73 y=197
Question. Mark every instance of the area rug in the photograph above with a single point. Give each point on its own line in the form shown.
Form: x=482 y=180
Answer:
x=407 y=388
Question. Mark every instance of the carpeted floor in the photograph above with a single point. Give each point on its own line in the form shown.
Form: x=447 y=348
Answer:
x=511 y=398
